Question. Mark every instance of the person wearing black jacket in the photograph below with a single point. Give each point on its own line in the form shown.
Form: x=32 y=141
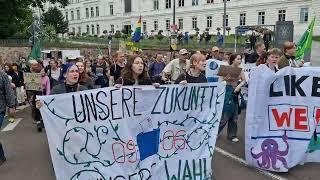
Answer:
x=195 y=74
x=18 y=81
x=253 y=57
x=134 y=73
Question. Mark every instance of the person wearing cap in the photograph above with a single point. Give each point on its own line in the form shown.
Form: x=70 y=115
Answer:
x=215 y=53
x=176 y=67
x=213 y=65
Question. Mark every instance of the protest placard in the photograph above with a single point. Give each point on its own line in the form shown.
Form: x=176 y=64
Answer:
x=32 y=81
x=282 y=116
x=134 y=132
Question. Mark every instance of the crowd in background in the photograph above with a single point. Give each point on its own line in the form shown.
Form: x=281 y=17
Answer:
x=137 y=68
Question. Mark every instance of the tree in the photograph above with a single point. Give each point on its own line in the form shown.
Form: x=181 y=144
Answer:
x=49 y=33
x=117 y=35
x=16 y=15
x=55 y=18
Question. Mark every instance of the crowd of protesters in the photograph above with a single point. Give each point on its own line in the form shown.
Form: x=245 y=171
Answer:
x=135 y=68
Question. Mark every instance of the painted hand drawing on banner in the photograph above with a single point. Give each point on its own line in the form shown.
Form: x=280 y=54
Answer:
x=270 y=154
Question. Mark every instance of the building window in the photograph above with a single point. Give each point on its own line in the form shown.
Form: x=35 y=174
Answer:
x=282 y=15
x=155 y=4
x=209 y=22
x=168 y=4
x=167 y=24
x=87 y=12
x=92 y=29
x=72 y=15
x=78 y=14
x=112 y=28
x=261 y=18
x=304 y=15
x=97 y=11
x=144 y=26
x=127 y=6
x=242 y=19
x=155 y=23
x=67 y=18
x=194 y=23
x=181 y=3
x=180 y=23
x=88 y=29
x=227 y=20
x=210 y=1
x=111 y=9
x=92 y=12
x=195 y=2
x=79 y=30
x=98 y=29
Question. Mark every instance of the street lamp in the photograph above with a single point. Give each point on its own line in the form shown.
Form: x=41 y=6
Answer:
x=224 y=21
x=173 y=41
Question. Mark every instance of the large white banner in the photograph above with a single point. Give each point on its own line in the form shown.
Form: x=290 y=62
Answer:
x=134 y=132
x=282 y=115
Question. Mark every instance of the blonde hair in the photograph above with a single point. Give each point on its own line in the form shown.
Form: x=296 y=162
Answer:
x=288 y=45
x=195 y=58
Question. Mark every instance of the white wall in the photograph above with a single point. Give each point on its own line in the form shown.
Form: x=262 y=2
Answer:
x=235 y=7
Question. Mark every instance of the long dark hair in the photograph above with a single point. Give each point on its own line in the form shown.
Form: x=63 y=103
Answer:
x=83 y=77
x=127 y=74
x=233 y=57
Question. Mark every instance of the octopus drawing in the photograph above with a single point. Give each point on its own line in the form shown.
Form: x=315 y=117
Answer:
x=270 y=154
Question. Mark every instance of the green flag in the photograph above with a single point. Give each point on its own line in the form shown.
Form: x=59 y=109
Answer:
x=305 y=42
x=35 y=51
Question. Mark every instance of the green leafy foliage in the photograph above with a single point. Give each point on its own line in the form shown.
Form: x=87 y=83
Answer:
x=55 y=18
x=16 y=16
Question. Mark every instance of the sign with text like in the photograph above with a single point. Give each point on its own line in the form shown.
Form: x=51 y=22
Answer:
x=283 y=115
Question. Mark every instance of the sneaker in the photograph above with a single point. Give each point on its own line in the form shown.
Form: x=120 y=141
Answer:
x=11 y=120
x=235 y=139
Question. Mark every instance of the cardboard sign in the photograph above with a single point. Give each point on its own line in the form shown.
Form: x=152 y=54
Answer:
x=231 y=71
x=32 y=81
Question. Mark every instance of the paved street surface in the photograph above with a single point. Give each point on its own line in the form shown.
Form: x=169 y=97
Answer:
x=28 y=155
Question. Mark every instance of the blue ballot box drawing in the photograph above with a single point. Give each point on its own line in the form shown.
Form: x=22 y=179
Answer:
x=148 y=143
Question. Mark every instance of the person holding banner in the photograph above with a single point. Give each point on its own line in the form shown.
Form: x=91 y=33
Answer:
x=194 y=75
x=231 y=102
x=272 y=59
x=70 y=76
x=288 y=59
x=134 y=73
